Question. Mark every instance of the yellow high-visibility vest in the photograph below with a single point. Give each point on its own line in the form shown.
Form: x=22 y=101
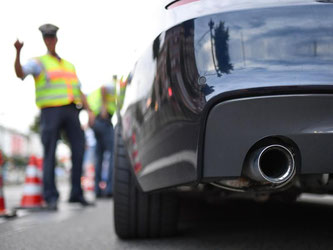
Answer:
x=57 y=84
x=95 y=101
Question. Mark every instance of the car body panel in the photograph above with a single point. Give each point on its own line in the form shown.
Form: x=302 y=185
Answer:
x=243 y=50
x=236 y=125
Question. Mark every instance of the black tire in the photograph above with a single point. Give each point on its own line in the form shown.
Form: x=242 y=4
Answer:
x=137 y=214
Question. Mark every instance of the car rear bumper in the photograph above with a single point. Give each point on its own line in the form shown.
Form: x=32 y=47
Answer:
x=303 y=122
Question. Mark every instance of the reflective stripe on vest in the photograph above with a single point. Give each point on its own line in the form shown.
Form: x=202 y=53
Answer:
x=57 y=84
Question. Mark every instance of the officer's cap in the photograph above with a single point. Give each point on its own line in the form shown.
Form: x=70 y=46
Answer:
x=48 y=29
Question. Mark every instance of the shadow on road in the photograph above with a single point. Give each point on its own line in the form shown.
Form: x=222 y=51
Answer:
x=239 y=224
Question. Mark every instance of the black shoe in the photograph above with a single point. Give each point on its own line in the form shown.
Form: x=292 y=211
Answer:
x=51 y=206
x=80 y=200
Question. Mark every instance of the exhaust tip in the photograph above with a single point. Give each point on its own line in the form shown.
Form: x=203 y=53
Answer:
x=276 y=164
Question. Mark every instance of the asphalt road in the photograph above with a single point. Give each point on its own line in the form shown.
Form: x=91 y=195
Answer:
x=227 y=225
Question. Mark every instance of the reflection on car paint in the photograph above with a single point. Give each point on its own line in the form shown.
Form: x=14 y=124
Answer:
x=188 y=65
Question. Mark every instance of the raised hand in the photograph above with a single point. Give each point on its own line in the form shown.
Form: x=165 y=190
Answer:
x=18 y=45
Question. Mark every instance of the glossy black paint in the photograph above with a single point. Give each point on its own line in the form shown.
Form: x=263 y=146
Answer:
x=266 y=47
x=303 y=123
x=203 y=61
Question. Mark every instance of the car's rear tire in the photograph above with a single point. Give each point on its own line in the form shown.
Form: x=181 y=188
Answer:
x=137 y=214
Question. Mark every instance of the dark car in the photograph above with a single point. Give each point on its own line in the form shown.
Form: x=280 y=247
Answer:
x=231 y=96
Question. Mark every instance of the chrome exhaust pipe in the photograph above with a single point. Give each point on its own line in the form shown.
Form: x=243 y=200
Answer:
x=274 y=164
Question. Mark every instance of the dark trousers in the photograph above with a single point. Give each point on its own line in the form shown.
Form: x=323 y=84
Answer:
x=104 y=135
x=53 y=120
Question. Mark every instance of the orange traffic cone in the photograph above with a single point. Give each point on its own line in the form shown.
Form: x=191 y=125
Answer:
x=2 y=199
x=88 y=181
x=3 y=211
x=32 y=193
x=40 y=164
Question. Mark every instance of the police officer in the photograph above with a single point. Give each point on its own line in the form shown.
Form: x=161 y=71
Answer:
x=58 y=95
x=103 y=103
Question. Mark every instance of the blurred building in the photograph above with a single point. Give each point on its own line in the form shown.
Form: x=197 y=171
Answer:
x=15 y=143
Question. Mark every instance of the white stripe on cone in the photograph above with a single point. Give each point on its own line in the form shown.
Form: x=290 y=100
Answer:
x=32 y=189
x=32 y=171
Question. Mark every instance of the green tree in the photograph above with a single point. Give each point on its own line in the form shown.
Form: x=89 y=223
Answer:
x=34 y=127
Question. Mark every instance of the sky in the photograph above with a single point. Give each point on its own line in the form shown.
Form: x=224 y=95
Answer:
x=100 y=37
